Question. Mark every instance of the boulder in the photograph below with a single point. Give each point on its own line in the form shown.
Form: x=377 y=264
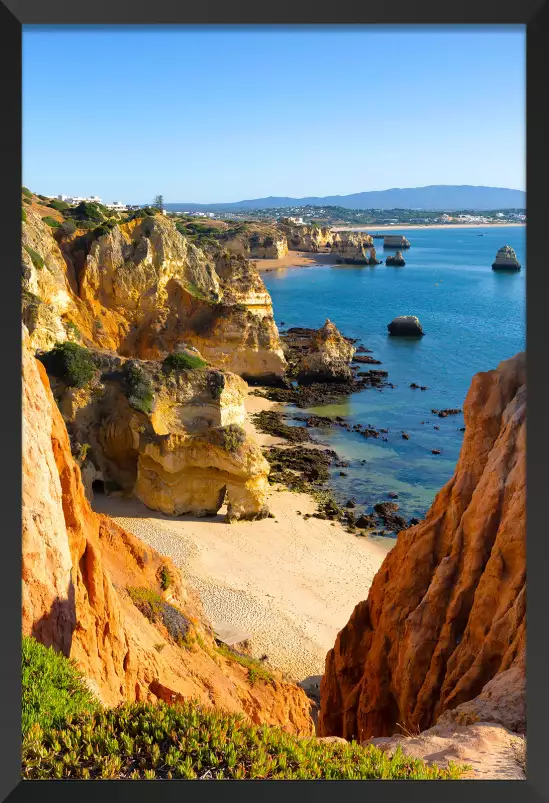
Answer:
x=397 y=260
x=406 y=326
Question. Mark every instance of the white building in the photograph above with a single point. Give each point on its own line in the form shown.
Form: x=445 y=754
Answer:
x=75 y=199
x=117 y=206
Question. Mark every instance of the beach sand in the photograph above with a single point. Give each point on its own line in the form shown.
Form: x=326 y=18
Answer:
x=289 y=583
x=296 y=259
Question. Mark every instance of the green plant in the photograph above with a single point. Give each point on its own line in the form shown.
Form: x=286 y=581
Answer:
x=36 y=259
x=165 y=578
x=139 y=388
x=70 y=362
x=188 y=741
x=27 y=201
x=83 y=449
x=231 y=438
x=67 y=228
x=159 y=647
x=255 y=670
x=23 y=214
x=26 y=192
x=98 y=324
x=60 y=206
x=216 y=383
x=52 y=687
x=72 y=329
x=88 y=210
x=51 y=221
x=158 y=611
x=181 y=361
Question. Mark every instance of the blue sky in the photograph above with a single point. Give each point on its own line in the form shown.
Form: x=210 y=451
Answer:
x=222 y=114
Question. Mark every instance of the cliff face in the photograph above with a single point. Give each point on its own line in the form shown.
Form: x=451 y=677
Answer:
x=77 y=569
x=443 y=629
x=183 y=451
x=142 y=289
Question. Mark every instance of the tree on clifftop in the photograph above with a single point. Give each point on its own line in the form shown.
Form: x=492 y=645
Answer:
x=159 y=202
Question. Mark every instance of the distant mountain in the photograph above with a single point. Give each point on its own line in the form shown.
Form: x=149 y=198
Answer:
x=439 y=197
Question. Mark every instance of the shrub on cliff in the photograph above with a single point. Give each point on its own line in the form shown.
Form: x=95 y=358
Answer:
x=26 y=191
x=71 y=363
x=52 y=687
x=185 y=741
x=60 y=206
x=67 y=228
x=51 y=221
x=23 y=214
x=36 y=259
x=231 y=438
x=87 y=210
x=180 y=361
x=140 y=393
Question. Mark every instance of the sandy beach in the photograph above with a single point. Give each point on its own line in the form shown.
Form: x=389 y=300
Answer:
x=296 y=259
x=288 y=583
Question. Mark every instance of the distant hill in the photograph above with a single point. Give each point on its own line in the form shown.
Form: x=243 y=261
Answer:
x=439 y=197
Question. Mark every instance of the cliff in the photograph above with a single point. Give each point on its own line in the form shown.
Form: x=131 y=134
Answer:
x=141 y=289
x=114 y=605
x=172 y=437
x=442 y=631
x=306 y=237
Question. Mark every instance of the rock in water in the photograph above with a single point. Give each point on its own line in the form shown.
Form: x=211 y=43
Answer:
x=443 y=629
x=328 y=357
x=397 y=260
x=406 y=326
x=506 y=259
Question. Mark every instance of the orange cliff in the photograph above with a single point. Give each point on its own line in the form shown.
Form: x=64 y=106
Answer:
x=441 y=635
x=77 y=569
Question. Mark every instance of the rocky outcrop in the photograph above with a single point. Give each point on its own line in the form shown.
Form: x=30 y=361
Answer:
x=443 y=629
x=395 y=241
x=405 y=326
x=79 y=570
x=397 y=260
x=256 y=241
x=506 y=260
x=173 y=438
x=328 y=357
x=142 y=289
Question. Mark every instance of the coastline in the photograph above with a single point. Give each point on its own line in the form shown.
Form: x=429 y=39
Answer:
x=397 y=227
x=288 y=582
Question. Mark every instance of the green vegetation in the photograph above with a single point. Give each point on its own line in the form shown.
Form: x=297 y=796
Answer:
x=231 y=438
x=256 y=671
x=72 y=329
x=67 y=228
x=51 y=221
x=71 y=363
x=104 y=228
x=146 y=211
x=26 y=191
x=23 y=214
x=27 y=201
x=165 y=577
x=140 y=388
x=181 y=361
x=216 y=383
x=52 y=687
x=82 y=453
x=87 y=210
x=36 y=259
x=60 y=206
x=157 y=611
x=187 y=741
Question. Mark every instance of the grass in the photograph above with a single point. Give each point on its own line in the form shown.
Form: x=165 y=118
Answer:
x=23 y=214
x=165 y=577
x=36 y=259
x=157 y=611
x=256 y=671
x=180 y=361
x=52 y=687
x=72 y=329
x=186 y=741
x=230 y=438
x=71 y=363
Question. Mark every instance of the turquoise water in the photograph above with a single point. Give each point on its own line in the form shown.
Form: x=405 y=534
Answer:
x=473 y=318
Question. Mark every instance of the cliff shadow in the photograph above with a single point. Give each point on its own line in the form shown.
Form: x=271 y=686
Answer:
x=55 y=629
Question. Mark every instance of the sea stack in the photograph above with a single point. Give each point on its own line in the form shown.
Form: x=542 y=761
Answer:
x=397 y=260
x=506 y=259
x=406 y=326
x=395 y=241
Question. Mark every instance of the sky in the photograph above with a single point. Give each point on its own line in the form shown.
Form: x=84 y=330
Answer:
x=221 y=114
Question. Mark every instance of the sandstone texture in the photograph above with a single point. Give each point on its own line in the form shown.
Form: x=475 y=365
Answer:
x=328 y=357
x=78 y=572
x=443 y=629
x=142 y=289
x=184 y=453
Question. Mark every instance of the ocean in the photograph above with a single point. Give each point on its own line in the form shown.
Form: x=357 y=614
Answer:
x=473 y=318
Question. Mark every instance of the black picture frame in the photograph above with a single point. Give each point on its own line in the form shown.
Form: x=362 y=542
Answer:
x=533 y=14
